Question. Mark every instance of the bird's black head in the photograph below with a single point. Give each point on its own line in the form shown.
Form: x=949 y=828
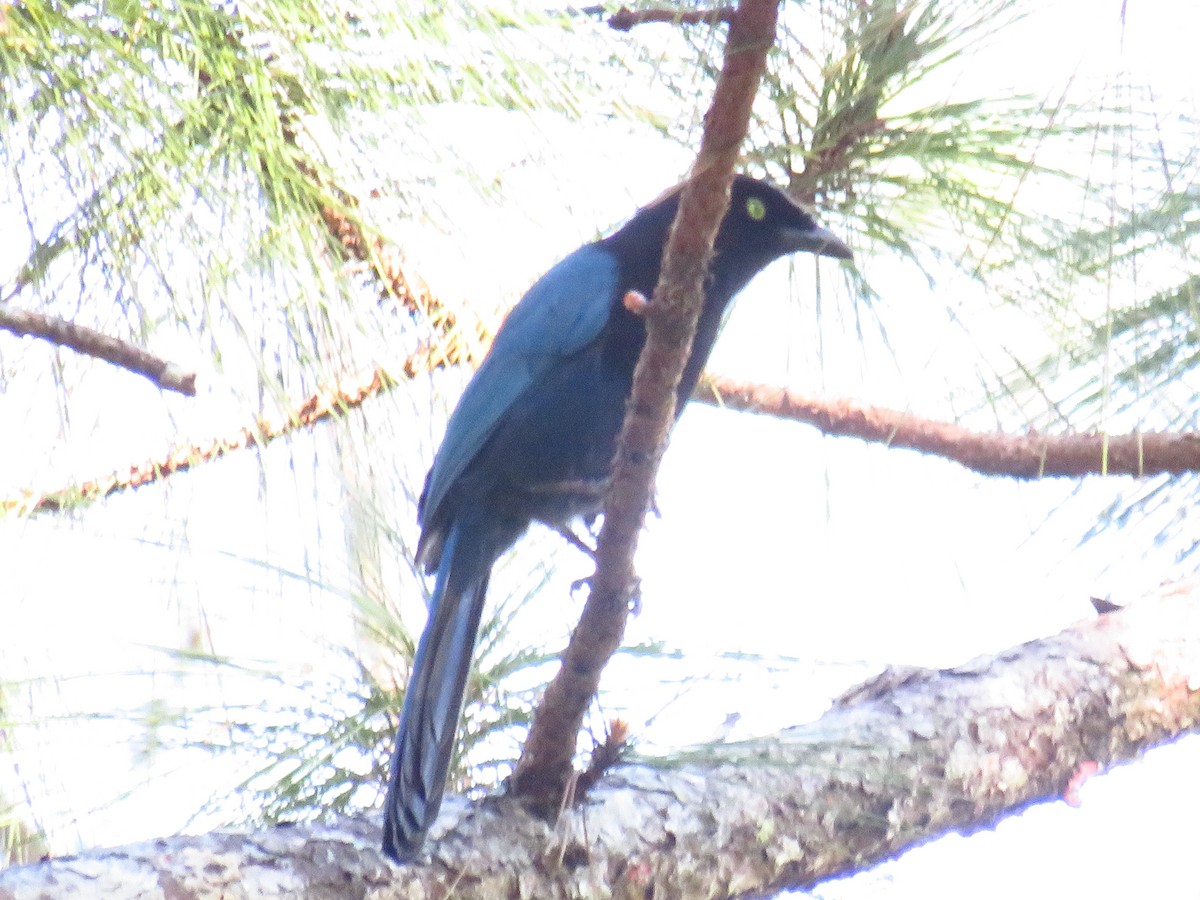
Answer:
x=763 y=224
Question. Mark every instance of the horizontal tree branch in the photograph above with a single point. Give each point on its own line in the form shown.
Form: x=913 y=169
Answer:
x=90 y=342
x=1029 y=455
x=624 y=19
x=909 y=755
x=1015 y=456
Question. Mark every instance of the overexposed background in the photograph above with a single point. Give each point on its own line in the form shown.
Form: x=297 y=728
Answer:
x=825 y=559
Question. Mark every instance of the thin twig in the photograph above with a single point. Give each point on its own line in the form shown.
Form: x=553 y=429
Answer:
x=625 y=18
x=90 y=342
x=322 y=405
x=1028 y=456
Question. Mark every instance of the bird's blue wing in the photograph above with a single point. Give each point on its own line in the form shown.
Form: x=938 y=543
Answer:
x=561 y=314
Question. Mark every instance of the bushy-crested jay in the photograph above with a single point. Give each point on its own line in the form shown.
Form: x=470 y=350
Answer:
x=533 y=438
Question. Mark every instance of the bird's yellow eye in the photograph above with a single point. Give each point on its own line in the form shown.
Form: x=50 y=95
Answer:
x=756 y=209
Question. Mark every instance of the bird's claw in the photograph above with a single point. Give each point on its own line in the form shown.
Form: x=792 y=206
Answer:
x=635 y=591
x=635 y=596
x=576 y=541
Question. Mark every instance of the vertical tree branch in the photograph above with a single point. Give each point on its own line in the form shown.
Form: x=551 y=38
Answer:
x=545 y=765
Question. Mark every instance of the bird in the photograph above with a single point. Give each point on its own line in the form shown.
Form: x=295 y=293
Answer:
x=533 y=437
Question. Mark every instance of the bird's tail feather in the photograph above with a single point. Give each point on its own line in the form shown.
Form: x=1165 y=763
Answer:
x=434 y=698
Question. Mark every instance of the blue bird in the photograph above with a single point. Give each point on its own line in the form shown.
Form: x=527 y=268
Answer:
x=533 y=439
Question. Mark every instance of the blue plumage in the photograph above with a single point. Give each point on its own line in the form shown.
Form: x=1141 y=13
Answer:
x=533 y=437
x=561 y=314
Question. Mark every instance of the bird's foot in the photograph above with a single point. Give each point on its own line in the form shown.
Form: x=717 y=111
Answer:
x=635 y=596
x=576 y=541
x=635 y=591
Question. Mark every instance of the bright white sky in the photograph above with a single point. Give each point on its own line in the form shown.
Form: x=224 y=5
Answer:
x=773 y=539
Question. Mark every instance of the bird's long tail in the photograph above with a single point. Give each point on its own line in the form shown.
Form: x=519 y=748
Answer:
x=434 y=699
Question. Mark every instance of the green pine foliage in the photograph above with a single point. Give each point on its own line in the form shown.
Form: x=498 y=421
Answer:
x=173 y=166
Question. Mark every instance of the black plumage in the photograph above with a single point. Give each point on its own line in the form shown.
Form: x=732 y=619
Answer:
x=533 y=438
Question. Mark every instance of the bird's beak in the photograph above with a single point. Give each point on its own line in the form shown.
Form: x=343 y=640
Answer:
x=818 y=240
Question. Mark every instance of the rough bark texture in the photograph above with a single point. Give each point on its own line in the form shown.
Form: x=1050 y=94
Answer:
x=545 y=767
x=906 y=756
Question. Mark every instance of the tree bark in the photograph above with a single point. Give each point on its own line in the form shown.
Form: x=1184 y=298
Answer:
x=90 y=342
x=1028 y=456
x=906 y=756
